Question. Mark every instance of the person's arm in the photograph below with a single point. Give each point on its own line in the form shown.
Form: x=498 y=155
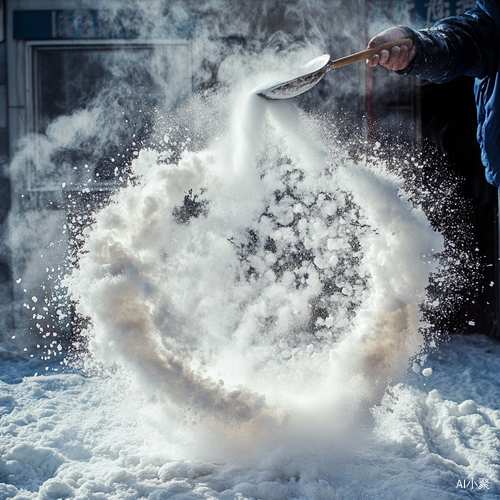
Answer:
x=458 y=45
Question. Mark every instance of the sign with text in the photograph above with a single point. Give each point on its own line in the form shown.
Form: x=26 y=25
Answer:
x=431 y=11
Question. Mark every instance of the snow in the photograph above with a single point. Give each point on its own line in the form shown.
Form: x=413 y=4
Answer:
x=254 y=332
x=70 y=436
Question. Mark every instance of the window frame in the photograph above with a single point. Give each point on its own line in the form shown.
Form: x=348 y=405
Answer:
x=32 y=97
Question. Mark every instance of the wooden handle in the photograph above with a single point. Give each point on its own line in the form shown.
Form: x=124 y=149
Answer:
x=366 y=54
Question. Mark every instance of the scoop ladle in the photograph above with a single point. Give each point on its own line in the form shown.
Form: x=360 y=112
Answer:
x=304 y=78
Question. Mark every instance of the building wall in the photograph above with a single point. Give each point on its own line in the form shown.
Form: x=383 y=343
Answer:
x=39 y=205
x=6 y=282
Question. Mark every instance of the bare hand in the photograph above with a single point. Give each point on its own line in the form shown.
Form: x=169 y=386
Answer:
x=398 y=57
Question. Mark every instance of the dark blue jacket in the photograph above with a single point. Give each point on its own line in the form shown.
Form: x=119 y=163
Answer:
x=468 y=44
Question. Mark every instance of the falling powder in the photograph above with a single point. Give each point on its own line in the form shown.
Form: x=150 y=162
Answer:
x=265 y=282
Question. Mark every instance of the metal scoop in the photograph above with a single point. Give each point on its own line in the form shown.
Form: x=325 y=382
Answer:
x=304 y=78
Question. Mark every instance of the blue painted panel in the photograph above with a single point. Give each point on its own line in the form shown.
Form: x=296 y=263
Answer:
x=99 y=24
x=33 y=24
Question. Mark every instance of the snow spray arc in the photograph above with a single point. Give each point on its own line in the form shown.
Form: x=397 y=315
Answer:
x=263 y=280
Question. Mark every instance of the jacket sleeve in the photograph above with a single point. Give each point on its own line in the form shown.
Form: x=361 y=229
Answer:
x=455 y=46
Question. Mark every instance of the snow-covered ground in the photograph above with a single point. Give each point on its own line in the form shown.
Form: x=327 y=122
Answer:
x=64 y=435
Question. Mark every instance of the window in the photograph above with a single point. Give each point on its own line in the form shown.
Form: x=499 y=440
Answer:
x=116 y=84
